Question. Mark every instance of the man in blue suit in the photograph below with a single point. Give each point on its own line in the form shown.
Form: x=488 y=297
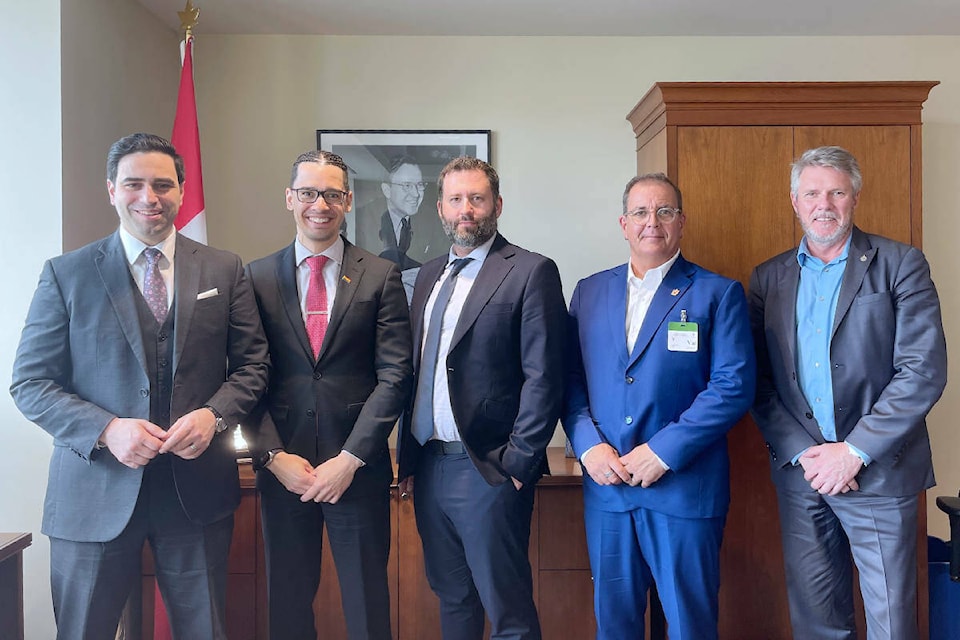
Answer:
x=661 y=367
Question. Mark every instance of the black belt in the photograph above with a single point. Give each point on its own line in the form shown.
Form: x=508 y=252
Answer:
x=443 y=448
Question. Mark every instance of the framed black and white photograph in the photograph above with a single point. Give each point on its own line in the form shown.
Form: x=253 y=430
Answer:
x=393 y=176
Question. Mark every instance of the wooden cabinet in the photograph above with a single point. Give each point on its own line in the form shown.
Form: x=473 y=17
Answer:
x=558 y=556
x=729 y=147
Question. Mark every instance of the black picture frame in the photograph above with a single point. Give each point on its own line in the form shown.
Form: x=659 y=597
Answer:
x=370 y=154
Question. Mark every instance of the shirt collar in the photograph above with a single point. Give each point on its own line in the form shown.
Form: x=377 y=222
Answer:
x=803 y=252
x=653 y=277
x=478 y=255
x=133 y=247
x=334 y=251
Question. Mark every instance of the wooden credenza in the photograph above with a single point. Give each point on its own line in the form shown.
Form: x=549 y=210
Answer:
x=11 y=584
x=563 y=588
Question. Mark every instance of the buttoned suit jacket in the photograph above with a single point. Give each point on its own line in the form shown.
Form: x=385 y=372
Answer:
x=81 y=363
x=504 y=366
x=680 y=403
x=887 y=360
x=352 y=394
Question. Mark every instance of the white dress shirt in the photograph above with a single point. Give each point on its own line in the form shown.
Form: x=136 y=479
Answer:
x=331 y=273
x=133 y=249
x=444 y=425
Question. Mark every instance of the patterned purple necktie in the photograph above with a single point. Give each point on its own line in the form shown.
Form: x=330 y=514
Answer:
x=154 y=288
x=317 y=316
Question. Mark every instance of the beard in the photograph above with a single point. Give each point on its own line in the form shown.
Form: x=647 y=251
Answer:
x=832 y=238
x=486 y=228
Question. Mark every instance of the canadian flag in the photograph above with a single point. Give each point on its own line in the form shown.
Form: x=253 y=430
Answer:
x=191 y=220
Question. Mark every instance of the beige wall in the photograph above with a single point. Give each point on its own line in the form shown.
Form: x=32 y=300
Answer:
x=560 y=141
x=75 y=78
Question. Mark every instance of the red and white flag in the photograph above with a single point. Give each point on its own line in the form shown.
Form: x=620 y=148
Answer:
x=191 y=220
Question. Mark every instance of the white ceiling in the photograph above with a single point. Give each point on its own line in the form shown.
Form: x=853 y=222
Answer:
x=569 y=17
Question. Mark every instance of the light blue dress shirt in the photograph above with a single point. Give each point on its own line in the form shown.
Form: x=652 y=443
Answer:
x=816 y=310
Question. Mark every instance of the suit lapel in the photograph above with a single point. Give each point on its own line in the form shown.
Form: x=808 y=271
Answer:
x=111 y=263
x=670 y=291
x=788 y=283
x=495 y=268
x=859 y=258
x=286 y=273
x=351 y=273
x=186 y=274
x=617 y=311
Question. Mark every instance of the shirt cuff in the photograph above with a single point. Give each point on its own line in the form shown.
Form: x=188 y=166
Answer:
x=663 y=464
x=357 y=458
x=797 y=457
x=864 y=458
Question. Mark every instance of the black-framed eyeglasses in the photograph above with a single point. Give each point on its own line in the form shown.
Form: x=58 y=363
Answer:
x=411 y=186
x=664 y=214
x=308 y=195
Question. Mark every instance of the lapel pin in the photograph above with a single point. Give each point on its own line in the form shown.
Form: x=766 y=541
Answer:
x=863 y=258
x=675 y=292
x=345 y=279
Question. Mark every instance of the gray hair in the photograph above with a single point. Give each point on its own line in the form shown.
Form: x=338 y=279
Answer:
x=651 y=177
x=831 y=158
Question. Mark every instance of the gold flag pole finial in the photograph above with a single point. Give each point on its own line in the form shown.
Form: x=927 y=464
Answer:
x=188 y=19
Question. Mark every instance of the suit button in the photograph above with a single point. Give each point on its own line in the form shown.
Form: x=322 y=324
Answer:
x=629 y=380
x=144 y=393
x=162 y=337
x=809 y=415
x=317 y=375
x=628 y=420
x=311 y=413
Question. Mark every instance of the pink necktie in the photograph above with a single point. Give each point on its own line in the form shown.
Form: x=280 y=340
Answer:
x=154 y=289
x=317 y=315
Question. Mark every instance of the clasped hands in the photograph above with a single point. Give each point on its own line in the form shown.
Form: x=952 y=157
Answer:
x=326 y=482
x=831 y=468
x=638 y=467
x=135 y=442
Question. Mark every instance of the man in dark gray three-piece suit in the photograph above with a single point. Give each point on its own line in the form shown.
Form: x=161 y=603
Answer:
x=138 y=351
x=851 y=358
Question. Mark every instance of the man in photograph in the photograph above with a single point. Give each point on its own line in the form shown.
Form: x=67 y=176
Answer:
x=488 y=323
x=339 y=332
x=403 y=189
x=851 y=358
x=139 y=351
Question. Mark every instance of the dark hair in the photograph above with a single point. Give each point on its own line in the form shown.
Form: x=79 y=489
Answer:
x=466 y=163
x=321 y=157
x=399 y=161
x=141 y=143
x=651 y=177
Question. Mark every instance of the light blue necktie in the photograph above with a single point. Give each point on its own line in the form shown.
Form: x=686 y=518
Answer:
x=423 y=406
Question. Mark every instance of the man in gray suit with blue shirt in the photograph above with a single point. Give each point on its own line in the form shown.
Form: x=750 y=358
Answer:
x=851 y=357
x=138 y=351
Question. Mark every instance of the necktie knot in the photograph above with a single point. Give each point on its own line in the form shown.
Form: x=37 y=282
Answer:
x=316 y=263
x=457 y=266
x=152 y=256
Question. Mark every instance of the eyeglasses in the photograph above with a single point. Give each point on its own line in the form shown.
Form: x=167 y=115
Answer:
x=411 y=186
x=307 y=195
x=664 y=214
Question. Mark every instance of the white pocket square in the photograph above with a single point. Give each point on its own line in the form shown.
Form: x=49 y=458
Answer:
x=208 y=294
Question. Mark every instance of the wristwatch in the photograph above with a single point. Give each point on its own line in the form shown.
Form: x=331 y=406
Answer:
x=221 y=425
x=266 y=459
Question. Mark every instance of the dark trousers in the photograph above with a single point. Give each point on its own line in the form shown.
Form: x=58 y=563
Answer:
x=358 y=528
x=475 y=543
x=91 y=581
